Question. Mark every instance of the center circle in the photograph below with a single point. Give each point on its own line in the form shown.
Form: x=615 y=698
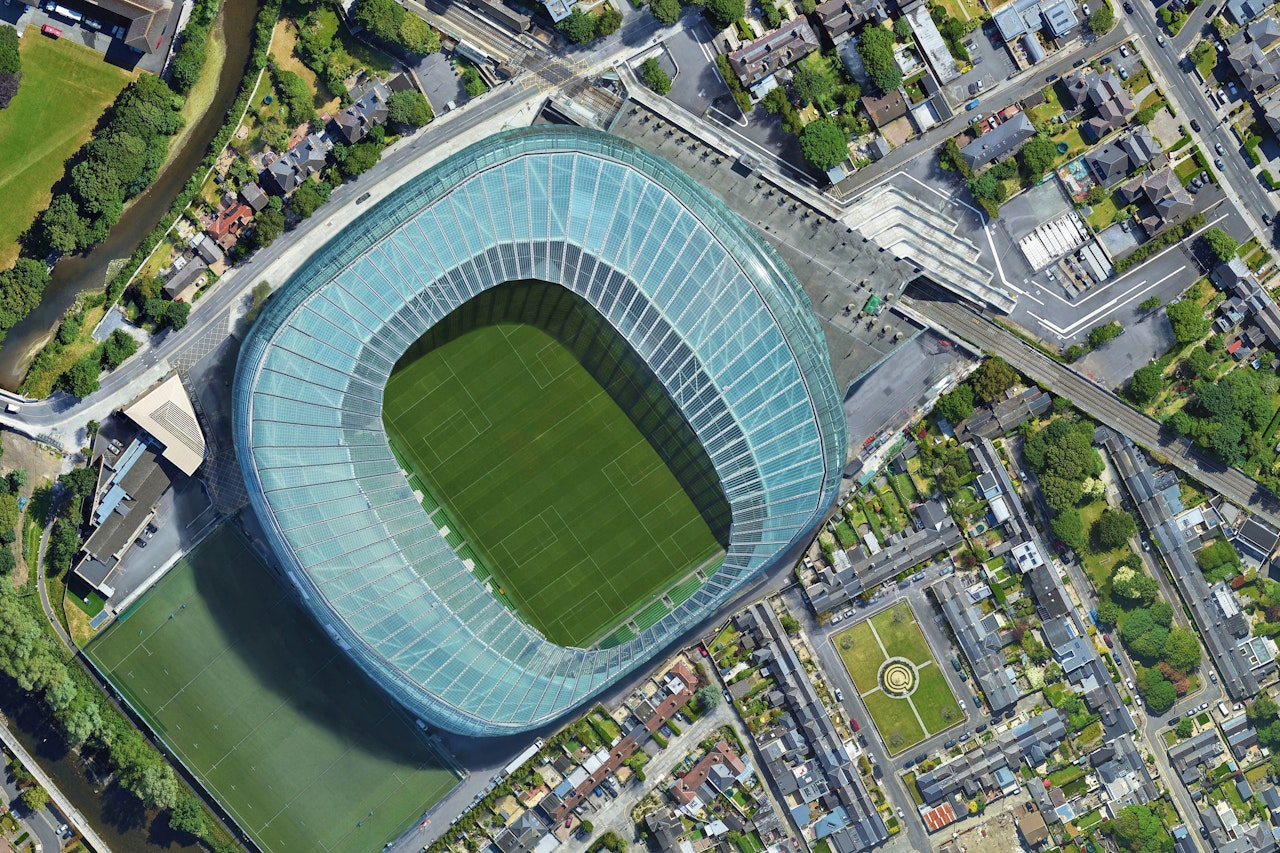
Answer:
x=898 y=677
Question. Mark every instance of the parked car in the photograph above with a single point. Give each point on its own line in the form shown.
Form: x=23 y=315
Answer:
x=1124 y=73
x=1128 y=7
x=1137 y=700
x=51 y=32
x=1195 y=125
x=1217 y=146
x=1204 y=176
x=1160 y=40
x=839 y=695
x=964 y=737
x=961 y=704
x=1266 y=219
x=1217 y=161
x=1128 y=683
x=853 y=724
x=1204 y=706
x=1106 y=638
x=1124 y=50
x=1052 y=78
x=949 y=744
x=836 y=618
x=900 y=815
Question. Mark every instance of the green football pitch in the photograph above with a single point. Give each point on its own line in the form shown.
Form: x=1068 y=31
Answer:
x=570 y=508
x=279 y=725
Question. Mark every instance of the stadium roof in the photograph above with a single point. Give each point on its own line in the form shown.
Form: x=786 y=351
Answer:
x=698 y=295
x=167 y=415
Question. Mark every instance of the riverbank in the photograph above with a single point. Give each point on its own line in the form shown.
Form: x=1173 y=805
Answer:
x=93 y=271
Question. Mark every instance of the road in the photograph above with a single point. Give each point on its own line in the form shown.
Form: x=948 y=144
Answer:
x=1190 y=101
x=1098 y=402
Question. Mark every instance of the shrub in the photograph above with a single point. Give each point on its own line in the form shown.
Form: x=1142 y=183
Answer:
x=654 y=77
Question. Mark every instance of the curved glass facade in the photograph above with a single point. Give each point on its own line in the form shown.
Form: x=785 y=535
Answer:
x=702 y=299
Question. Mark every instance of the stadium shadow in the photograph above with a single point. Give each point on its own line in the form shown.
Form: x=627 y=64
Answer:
x=243 y=601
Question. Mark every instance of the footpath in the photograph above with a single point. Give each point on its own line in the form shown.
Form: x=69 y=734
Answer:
x=73 y=817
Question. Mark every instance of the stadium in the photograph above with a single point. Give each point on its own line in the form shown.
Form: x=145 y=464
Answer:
x=535 y=414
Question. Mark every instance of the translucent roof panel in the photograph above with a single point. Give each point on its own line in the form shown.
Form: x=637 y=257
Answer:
x=698 y=295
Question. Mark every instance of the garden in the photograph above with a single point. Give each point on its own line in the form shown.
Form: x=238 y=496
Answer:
x=897 y=678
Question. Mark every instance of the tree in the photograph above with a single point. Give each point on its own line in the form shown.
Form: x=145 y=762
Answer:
x=1184 y=728
x=1133 y=588
x=790 y=624
x=811 y=84
x=578 y=27
x=1037 y=155
x=875 y=46
x=1262 y=711
x=1113 y=529
x=1148 y=382
x=388 y=21
x=956 y=405
x=992 y=378
x=823 y=144
x=666 y=11
x=355 y=160
x=1035 y=649
x=177 y=315
x=1182 y=650
x=60 y=227
x=1136 y=827
x=902 y=29
x=1218 y=560
x=10 y=65
x=1187 y=320
x=724 y=12
x=1108 y=612
x=409 y=108
x=189 y=60
x=1159 y=692
x=708 y=697
x=1104 y=334
x=1221 y=244
x=118 y=346
x=268 y=224
x=295 y=96
x=308 y=198
x=1069 y=527
x=416 y=35
x=654 y=77
x=1102 y=19
x=187 y=815
x=608 y=21
x=473 y=82
x=35 y=798
x=82 y=379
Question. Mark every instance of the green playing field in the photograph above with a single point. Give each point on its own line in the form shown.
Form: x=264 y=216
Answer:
x=576 y=516
x=296 y=744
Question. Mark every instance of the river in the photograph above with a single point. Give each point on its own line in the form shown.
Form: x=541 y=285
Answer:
x=115 y=814
x=80 y=273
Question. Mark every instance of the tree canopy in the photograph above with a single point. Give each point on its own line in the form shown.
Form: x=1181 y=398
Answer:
x=666 y=11
x=957 y=404
x=1221 y=244
x=295 y=95
x=1069 y=528
x=1102 y=19
x=1112 y=529
x=409 y=108
x=992 y=378
x=653 y=75
x=1188 y=321
x=390 y=22
x=824 y=144
x=1062 y=455
x=1137 y=828
x=724 y=12
x=811 y=84
x=1148 y=382
x=875 y=46
x=1037 y=155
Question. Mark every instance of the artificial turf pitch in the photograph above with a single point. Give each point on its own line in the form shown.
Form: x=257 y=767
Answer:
x=572 y=510
x=278 y=724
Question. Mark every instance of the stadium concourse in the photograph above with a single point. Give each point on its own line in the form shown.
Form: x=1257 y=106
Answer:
x=712 y=330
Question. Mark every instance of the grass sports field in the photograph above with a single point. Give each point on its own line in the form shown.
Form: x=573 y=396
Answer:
x=277 y=723
x=575 y=514
x=928 y=709
x=65 y=87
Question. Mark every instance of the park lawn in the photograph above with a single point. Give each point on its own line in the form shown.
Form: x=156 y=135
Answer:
x=65 y=88
x=863 y=656
x=571 y=510
x=286 y=732
x=901 y=635
x=894 y=720
x=934 y=702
